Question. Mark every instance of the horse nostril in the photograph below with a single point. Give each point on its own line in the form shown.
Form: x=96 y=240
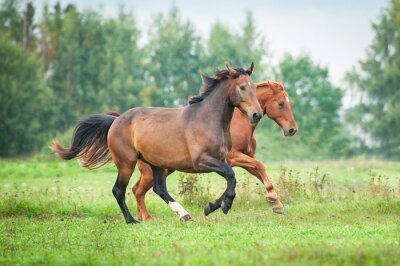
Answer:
x=292 y=131
x=256 y=116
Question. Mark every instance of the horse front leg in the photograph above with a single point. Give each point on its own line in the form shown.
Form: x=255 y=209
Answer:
x=160 y=188
x=225 y=201
x=257 y=169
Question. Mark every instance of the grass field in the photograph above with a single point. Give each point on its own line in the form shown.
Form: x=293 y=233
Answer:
x=337 y=213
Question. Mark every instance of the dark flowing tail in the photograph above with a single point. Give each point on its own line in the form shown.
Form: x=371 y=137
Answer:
x=89 y=141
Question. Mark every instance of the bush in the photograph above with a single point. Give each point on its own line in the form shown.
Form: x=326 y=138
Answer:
x=191 y=191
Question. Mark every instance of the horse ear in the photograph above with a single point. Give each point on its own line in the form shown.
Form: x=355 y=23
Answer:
x=205 y=80
x=203 y=76
x=201 y=73
x=232 y=71
x=250 y=69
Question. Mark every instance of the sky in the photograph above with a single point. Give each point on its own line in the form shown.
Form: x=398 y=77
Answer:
x=335 y=33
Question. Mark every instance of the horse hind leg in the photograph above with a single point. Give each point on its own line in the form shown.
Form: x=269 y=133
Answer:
x=140 y=189
x=125 y=170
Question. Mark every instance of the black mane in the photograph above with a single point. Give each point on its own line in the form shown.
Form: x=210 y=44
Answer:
x=208 y=84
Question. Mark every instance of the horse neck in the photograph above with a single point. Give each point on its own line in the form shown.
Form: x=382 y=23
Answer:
x=219 y=105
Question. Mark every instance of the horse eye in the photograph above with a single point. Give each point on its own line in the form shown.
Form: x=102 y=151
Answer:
x=281 y=104
x=242 y=88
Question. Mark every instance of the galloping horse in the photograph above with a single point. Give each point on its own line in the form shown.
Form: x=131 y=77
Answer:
x=275 y=103
x=195 y=138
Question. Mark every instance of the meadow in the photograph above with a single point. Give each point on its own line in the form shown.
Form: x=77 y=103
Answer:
x=337 y=213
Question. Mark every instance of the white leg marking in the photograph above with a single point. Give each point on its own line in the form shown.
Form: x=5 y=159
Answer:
x=176 y=207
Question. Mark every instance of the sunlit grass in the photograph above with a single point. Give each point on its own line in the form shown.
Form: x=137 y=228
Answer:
x=57 y=213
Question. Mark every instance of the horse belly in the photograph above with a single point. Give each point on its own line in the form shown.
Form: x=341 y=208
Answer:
x=167 y=160
x=165 y=152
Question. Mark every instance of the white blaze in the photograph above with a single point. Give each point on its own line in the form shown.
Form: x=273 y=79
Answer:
x=176 y=207
x=287 y=97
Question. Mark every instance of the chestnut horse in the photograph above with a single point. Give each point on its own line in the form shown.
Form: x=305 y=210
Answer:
x=194 y=138
x=275 y=103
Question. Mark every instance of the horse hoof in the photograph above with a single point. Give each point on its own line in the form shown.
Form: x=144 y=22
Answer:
x=186 y=218
x=278 y=210
x=271 y=200
x=225 y=207
x=207 y=209
x=148 y=218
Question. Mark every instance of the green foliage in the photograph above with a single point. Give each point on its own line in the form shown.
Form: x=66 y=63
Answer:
x=315 y=104
x=174 y=58
x=191 y=190
x=376 y=80
x=19 y=26
x=96 y=63
x=25 y=100
x=122 y=74
x=311 y=93
x=237 y=49
x=11 y=20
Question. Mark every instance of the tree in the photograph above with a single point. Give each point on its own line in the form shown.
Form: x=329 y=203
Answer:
x=316 y=103
x=11 y=20
x=93 y=64
x=376 y=81
x=237 y=49
x=122 y=73
x=18 y=25
x=175 y=55
x=28 y=26
x=49 y=28
x=26 y=102
x=65 y=65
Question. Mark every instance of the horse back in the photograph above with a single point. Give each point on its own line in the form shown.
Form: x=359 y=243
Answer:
x=157 y=134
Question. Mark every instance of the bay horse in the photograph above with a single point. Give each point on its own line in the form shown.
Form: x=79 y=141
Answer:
x=195 y=138
x=275 y=103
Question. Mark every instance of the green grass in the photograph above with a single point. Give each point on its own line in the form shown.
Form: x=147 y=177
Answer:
x=58 y=213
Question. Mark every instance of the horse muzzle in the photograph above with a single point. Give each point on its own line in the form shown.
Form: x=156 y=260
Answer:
x=255 y=117
x=289 y=131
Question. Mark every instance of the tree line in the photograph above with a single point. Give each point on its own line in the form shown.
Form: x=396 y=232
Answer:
x=68 y=63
